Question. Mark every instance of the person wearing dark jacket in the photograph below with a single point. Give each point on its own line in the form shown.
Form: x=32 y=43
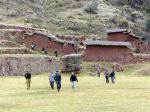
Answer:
x=28 y=79
x=112 y=75
x=57 y=79
x=73 y=80
x=106 y=74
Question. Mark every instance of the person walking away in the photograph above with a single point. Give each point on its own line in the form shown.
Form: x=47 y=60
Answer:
x=28 y=79
x=33 y=46
x=106 y=74
x=56 y=53
x=98 y=70
x=51 y=80
x=112 y=75
x=74 y=80
x=46 y=51
x=57 y=79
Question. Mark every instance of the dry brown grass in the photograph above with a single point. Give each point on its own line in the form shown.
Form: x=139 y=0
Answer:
x=143 y=71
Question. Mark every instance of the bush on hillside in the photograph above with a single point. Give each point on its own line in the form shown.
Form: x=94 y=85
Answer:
x=148 y=10
x=148 y=25
x=133 y=16
x=120 y=2
x=32 y=1
x=91 y=7
x=124 y=24
x=136 y=3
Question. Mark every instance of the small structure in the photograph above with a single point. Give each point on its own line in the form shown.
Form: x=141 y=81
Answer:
x=123 y=35
x=71 y=63
x=116 y=34
x=49 y=41
x=108 y=51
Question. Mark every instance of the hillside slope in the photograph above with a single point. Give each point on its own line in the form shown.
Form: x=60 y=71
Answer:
x=68 y=16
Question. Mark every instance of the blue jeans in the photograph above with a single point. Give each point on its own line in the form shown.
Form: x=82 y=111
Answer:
x=58 y=83
x=52 y=84
x=113 y=80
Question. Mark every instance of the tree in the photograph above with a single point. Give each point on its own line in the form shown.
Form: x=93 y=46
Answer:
x=91 y=7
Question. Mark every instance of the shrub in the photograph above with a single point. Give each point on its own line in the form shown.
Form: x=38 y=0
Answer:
x=124 y=24
x=148 y=25
x=120 y=2
x=32 y=1
x=148 y=10
x=133 y=16
x=91 y=7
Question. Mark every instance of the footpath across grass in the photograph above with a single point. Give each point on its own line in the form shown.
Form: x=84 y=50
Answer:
x=129 y=94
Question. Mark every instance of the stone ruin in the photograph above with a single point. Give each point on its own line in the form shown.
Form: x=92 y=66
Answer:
x=17 y=66
x=71 y=63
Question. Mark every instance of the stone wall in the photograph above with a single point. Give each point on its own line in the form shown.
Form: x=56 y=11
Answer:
x=11 y=66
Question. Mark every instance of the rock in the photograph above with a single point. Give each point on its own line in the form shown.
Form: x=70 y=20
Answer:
x=118 y=67
x=71 y=63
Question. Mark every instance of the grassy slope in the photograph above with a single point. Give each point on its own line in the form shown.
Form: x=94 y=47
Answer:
x=68 y=17
x=129 y=94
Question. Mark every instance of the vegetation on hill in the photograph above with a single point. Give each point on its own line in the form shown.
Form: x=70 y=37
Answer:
x=73 y=17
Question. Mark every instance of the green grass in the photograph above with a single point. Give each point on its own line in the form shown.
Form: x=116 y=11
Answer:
x=129 y=94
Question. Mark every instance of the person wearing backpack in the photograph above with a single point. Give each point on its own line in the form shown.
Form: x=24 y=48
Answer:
x=112 y=75
x=28 y=79
x=73 y=80
x=57 y=79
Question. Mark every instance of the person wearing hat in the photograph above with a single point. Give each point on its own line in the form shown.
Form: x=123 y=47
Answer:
x=73 y=80
x=57 y=79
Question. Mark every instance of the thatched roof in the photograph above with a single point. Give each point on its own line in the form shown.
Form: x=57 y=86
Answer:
x=106 y=43
x=50 y=36
x=116 y=30
x=63 y=41
x=133 y=35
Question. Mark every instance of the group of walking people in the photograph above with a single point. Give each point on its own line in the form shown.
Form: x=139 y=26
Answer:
x=107 y=74
x=55 y=77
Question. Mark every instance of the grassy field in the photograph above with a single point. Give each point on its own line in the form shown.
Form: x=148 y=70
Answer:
x=130 y=94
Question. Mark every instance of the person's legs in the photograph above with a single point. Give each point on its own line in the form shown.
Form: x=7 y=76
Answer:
x=98 y=74
x=52 y=84
x=58 y=86
x=73 y=85
x=28 y=81
x=107 y=79
x=113 y=80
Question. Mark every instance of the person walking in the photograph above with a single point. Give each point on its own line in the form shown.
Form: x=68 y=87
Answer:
x=57 y=79
x=28 y=79
x=56 y=53
x=33 y=46
x=73 y=80
x=98 y=70
x=51 y=80
x=106 y=74
x=112 y=75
